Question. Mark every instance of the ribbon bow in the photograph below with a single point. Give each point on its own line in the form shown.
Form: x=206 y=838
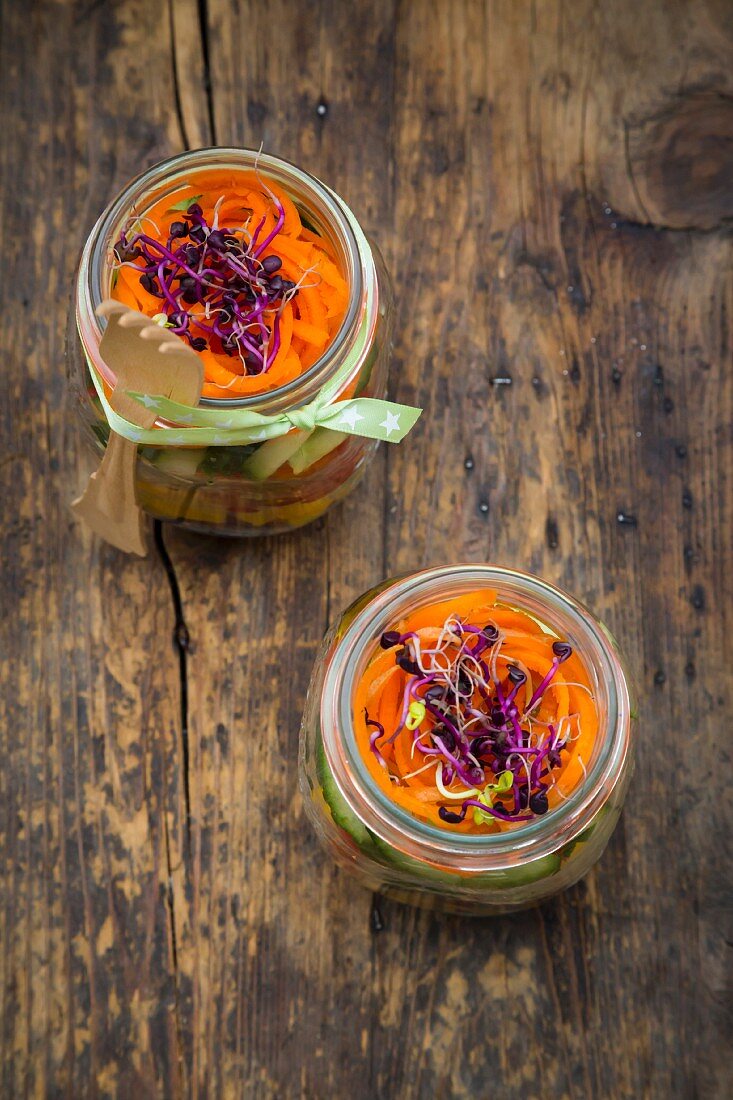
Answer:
x=305 y=418
x=196 y=427
x=219 y=427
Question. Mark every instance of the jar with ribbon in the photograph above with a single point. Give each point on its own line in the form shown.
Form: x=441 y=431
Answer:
x=263 y=273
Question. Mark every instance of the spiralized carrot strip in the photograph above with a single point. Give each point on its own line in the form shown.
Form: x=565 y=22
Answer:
x=308 y=300
x=333 y=288
x=302 y=253
x=262 y=213
x=462 y=607
x=292 y=226
x=234 y=213
x=129 y=291
x=310 y=334
x=237 y=382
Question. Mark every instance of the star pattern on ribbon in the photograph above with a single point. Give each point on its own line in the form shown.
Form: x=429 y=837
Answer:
x=391 y=423
x=350 y=417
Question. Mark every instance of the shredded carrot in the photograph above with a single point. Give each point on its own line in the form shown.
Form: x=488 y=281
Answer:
x=297 y=323
x=509 y=659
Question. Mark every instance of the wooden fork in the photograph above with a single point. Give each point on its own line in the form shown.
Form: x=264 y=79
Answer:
x=145 y=358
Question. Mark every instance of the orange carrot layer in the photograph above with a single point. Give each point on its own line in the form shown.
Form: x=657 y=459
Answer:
x=475 y=717
x=290 y=296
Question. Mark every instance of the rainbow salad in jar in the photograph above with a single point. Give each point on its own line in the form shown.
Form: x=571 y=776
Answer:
x=468 y=742
x=267 y=276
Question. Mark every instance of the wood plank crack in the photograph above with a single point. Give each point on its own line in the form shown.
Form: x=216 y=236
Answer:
x=203 y=12
x=181 y=641
x=171 y=910
x=180 y=115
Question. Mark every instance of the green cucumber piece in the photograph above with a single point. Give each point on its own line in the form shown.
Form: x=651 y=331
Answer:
x=416 y=869
x=488 y=880
x=419 y=872
x=183 y=205
x=341 y=812
x=581 y=838
x=586 y=834
x=178 y=461
x=491 y=880
x=535 y=871
x=320 y=443
x=270 y=456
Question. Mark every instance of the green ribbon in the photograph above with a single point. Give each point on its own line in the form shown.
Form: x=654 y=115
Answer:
x=363 y=416
x=206 y=427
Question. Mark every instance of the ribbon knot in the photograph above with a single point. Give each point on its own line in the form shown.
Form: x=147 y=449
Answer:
x=305 y=418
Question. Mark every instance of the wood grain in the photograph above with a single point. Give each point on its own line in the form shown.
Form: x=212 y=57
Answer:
x=551 y=186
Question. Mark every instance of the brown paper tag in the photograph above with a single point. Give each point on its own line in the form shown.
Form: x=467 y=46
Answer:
x=145 y=358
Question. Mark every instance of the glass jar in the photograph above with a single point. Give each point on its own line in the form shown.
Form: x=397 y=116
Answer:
x=248 y=489
x=393 y=852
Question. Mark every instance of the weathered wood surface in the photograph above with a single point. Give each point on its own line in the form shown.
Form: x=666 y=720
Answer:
x=551 y=185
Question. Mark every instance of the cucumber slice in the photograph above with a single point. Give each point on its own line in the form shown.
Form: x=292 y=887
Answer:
x=178 y=461
x=489 y=880
x=341 y=812
x=425 y=873
x=580 y=839
x=321 y=443
x=270 y=456
x=535 y=871
x=589 y=830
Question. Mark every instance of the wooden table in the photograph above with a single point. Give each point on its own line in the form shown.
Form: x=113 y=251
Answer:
x=551 y=185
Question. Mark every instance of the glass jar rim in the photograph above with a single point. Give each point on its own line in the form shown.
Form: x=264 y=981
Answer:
x=396 y=826
x=356 y=254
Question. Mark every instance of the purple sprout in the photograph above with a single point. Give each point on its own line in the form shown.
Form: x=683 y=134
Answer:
x=374 y=737
x=474 y=725
x=562 y=651
x=217 y=270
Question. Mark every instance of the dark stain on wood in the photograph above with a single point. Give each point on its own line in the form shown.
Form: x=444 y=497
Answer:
x=681 y=161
